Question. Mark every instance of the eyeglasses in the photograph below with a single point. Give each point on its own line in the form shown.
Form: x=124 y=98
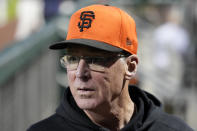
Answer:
x=94 y=63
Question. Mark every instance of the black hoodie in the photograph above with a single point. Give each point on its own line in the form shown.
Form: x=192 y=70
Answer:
x=148 y=117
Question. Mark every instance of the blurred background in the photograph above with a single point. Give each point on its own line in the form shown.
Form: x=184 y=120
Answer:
x=32 y=81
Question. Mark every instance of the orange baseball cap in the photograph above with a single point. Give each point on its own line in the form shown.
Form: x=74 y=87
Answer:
x=101 y=26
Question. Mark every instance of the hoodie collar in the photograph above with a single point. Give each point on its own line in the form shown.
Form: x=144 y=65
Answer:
x=145 y=105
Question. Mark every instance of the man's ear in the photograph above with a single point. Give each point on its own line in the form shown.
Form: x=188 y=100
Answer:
x=132 y=62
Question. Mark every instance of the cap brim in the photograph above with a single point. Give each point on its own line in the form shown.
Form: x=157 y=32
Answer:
x=87 y=42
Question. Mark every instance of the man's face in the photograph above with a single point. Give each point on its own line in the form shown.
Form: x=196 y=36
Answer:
x=93 y=89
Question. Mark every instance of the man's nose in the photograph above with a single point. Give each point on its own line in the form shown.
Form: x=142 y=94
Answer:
x=83 y=71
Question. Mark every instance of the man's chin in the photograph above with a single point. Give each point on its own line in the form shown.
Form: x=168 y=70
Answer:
x=87 y=104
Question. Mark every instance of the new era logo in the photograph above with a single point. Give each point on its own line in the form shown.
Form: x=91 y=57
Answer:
x=86 y=20
x=128 y=41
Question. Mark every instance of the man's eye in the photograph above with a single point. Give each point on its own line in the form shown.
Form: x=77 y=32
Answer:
x=72 y=59
x=97 y=60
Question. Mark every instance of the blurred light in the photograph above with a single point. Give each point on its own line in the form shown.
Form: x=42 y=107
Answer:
x=3 y=15
x=30 y=17
x=67 y=7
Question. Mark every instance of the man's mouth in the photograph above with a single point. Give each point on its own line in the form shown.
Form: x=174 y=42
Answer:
x=85 y=91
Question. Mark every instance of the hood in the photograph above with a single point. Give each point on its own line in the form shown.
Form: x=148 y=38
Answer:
x=146 y=105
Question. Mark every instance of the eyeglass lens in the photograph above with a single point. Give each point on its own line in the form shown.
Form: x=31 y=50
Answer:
x=71 y=62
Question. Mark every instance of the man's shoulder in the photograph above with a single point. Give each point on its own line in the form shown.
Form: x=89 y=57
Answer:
x=52 y=123
x=164 y=121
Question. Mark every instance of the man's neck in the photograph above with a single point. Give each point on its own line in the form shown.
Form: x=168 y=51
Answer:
x=116 y=115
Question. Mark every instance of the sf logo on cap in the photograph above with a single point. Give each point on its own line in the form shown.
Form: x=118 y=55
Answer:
x=86 y=20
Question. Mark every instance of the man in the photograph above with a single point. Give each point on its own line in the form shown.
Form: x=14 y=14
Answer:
x=101 y=58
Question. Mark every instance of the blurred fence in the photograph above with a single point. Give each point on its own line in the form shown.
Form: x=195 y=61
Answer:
x=28 y=90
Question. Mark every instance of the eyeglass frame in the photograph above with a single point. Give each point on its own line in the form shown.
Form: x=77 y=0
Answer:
x=93 y=66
